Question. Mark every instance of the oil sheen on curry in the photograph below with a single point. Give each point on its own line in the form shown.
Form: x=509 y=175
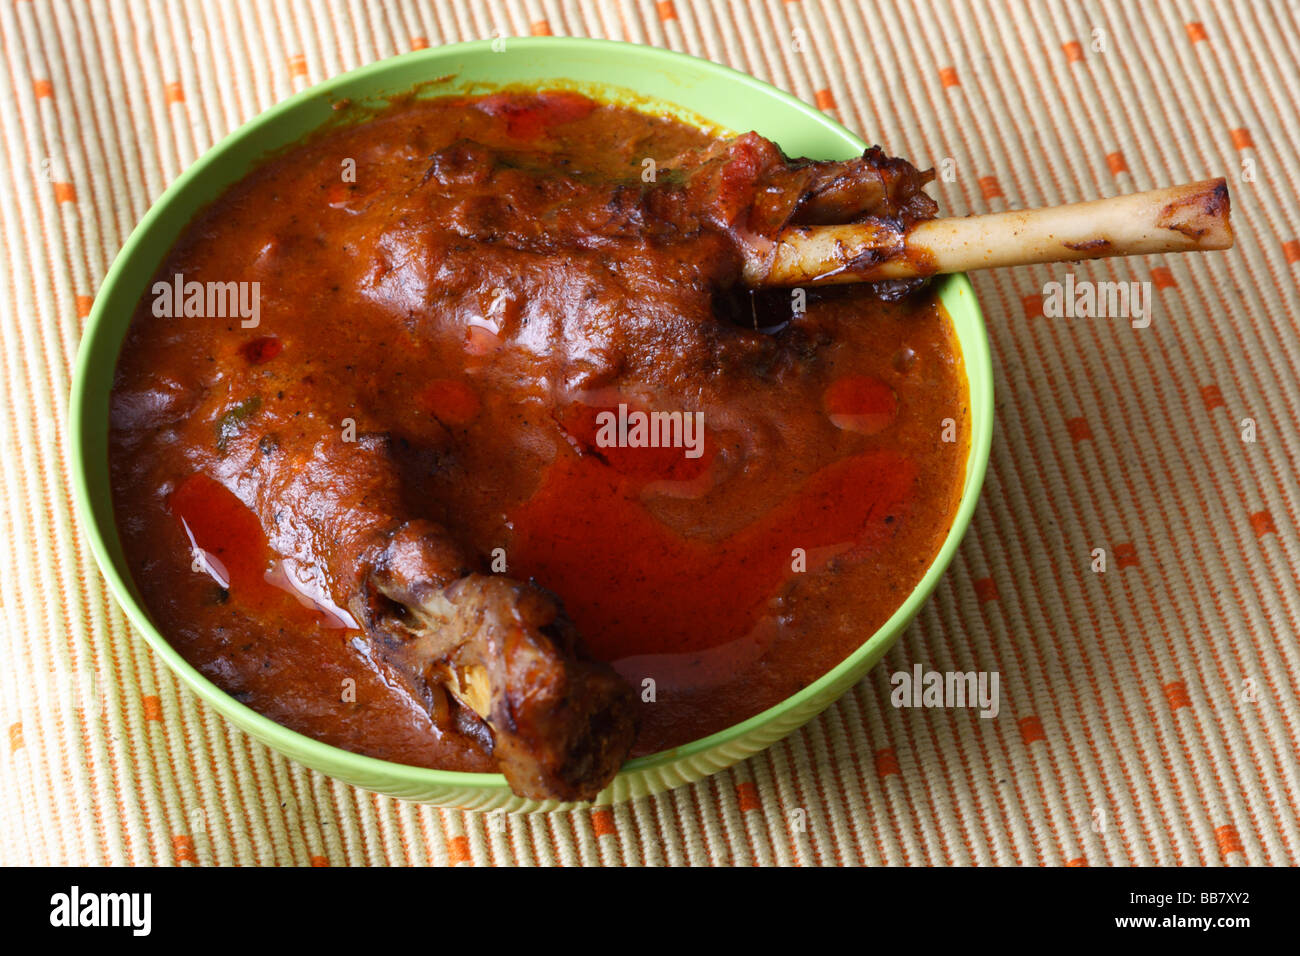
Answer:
x=453 y=437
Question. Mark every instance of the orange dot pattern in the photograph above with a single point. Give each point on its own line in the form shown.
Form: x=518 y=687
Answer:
x=887 y=763
x=1262 y=523
x=1031 y=730
x=458 y=850
x=1229 y=840
x=989 y=187
x=1212 y=396
x=183 y=849
x=1176 y=694
x=747 y=797
x=1078 y=429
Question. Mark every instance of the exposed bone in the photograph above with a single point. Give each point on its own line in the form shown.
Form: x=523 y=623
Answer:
x=1189 y=218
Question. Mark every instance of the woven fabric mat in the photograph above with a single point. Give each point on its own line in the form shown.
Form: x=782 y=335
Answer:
x=1148 y=713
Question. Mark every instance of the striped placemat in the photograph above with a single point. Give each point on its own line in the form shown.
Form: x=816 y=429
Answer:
x=1148 y=712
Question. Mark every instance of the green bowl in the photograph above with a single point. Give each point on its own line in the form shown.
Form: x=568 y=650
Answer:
x=649 y=78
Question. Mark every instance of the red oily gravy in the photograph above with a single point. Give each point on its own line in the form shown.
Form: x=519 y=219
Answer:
x=827 y=469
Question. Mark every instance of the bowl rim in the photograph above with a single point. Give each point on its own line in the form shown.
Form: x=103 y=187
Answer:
x=303 y=747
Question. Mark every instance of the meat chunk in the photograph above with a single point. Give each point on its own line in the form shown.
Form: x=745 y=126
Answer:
x=559 y=724
x=744 y=189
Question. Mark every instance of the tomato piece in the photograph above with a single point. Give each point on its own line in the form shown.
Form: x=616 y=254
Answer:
x=261 y=350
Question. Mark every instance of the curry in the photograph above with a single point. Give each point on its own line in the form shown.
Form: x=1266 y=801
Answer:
x=456 y=438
